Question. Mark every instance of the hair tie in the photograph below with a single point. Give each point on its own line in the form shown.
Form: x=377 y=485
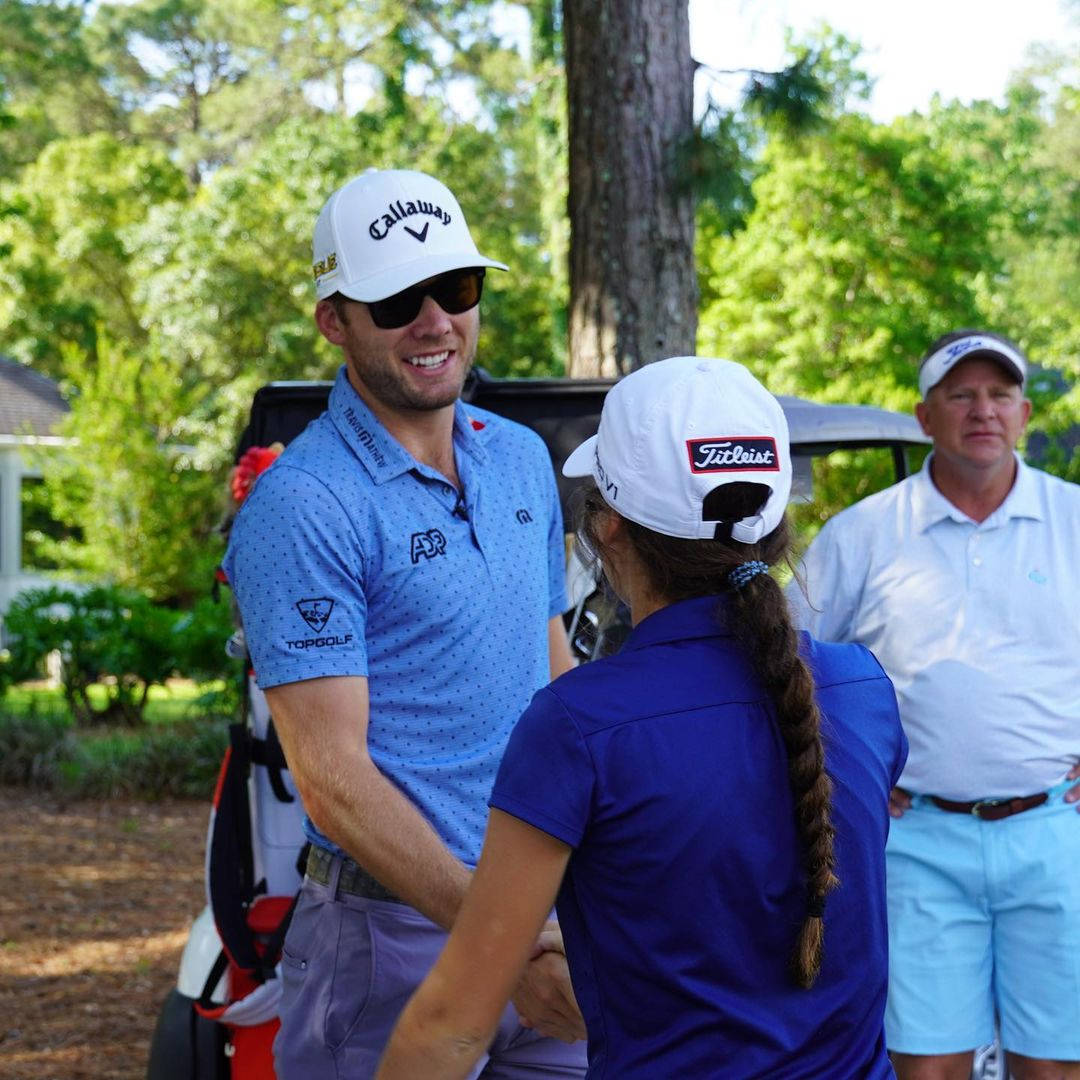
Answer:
x=815 y=906
x=747 y=571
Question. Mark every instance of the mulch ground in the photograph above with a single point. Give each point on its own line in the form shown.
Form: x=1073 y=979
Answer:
x=96 y=899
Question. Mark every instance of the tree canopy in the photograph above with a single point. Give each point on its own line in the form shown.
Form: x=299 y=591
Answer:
x=162 y=163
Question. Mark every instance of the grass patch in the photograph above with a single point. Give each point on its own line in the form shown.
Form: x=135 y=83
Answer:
x=181 y=760
x=177 y=752
x=179 y=700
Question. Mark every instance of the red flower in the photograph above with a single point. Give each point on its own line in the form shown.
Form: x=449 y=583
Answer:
x=253 y=461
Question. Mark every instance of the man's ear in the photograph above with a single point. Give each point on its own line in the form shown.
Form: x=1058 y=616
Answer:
x=922 y=414
x=329 y=323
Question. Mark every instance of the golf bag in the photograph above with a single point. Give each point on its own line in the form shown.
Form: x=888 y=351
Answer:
x=254 y=852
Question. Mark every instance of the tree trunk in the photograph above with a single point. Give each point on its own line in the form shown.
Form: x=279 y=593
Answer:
x=633 y=289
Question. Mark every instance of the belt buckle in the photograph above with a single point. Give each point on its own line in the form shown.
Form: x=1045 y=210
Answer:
x=976 y=807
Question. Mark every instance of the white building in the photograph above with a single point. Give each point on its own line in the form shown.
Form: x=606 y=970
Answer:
x=30 y=409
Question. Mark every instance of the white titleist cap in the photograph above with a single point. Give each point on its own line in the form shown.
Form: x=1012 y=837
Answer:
x=386 y=230
x=673 y=431
x=939 y=363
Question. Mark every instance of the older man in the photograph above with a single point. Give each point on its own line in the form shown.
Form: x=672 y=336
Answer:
x=964 y=580
x=400 y=575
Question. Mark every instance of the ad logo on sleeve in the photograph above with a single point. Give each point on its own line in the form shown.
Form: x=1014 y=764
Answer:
x=733 y=453
x=316 y=613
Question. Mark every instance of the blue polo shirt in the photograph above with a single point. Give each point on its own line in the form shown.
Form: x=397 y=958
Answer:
x=664 y=769
x=349 y=557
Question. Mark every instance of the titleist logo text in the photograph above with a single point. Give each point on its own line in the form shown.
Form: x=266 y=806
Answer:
x=733 y=454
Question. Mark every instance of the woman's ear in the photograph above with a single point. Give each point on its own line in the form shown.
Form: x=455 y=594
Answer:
x=611 y=529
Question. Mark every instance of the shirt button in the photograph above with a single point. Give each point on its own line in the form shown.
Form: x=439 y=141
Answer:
x=976 y=561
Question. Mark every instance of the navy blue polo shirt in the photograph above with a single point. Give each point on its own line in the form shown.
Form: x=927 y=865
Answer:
x=351 y=558
x=664 y=769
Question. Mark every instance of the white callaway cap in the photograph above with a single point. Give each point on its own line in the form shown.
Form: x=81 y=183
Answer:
x=673 y=431
x=939 y=363
x=386 y=230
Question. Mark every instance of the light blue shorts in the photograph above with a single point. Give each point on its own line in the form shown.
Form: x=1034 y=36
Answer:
x=984 y=921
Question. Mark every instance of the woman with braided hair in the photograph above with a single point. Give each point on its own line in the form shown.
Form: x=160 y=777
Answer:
x=709 y=806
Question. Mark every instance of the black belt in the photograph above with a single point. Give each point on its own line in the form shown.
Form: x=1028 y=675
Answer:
x=992 y=809
x=353 y=879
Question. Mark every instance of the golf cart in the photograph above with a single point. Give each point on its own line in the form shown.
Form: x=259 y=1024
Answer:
x=219 y=1020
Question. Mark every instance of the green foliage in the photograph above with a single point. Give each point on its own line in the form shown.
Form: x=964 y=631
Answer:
x=40 y=748
x=34 y=744
x=70 y=268
x=146 y=514
x=199 y=637
x=817 y=86
x=865 y=243
x=162 y=163
x=790 y=99
x=111 y=638
x=50 y=87
x=863 y=246
x=181 y=760
x=1024 y=153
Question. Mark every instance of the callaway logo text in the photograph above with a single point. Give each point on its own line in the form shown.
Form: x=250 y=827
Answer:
x=426 y=545
x=399 y=211
x=523 y=516
x=733 y=454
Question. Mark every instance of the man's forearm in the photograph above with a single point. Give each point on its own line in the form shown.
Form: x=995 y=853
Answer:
x=322 y=724
x=367 y=816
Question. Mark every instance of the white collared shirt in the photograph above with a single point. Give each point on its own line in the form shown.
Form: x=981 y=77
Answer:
x=977 y=624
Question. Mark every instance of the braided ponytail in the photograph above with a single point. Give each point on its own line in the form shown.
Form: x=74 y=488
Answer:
x=760 y=619
x=763 y=624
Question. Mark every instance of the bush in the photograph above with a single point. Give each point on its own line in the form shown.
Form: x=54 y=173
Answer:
x=40 y=748
x=34 y=745
x=181 y=761
x=117 y=639
x=200 y=636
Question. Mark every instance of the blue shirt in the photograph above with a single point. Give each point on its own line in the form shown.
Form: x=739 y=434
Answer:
x=663 y=767
x=348 y=558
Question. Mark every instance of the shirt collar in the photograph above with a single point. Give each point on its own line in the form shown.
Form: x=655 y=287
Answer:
x=929 y=506
x=1023 y=498
x=471 y=432
x=693 y=618
x=379 y=452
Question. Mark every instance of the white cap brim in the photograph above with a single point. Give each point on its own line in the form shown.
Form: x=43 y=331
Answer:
x=973 y=347
x=386 y=283
x=580 y=462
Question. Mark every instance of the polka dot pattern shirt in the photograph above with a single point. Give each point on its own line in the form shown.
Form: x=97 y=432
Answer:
x=351 y=558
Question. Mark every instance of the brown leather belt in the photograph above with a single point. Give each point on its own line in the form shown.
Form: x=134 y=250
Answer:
x=992 y=809
x=353 y=879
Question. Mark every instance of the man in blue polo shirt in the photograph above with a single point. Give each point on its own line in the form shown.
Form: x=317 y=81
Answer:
x=400 y=573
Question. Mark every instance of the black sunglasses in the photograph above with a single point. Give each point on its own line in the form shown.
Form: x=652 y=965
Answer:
x=454 y=292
